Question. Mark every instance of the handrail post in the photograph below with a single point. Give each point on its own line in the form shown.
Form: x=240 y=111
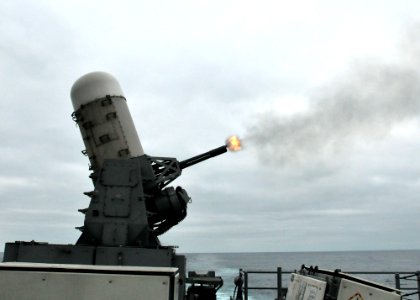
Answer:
x=397 y=281
x=246 y=285
x=279 y=285
x=418 y=283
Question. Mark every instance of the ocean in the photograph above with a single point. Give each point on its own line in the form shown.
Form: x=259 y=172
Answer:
x=227 y=265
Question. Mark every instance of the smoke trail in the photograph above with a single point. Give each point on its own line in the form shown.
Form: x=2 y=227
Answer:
x=363 y=104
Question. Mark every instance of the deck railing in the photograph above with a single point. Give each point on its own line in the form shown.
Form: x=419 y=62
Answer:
x=407 y=282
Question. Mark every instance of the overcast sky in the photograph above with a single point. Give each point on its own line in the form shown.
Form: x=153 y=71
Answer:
x=326 y=95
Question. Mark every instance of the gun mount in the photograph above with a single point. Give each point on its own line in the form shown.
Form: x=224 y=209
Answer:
x=131 y=203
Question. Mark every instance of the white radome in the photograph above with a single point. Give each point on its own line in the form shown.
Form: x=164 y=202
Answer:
x=93 y=86
x=121 y=131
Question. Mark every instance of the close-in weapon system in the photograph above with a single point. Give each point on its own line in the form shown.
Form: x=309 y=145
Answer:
x=131 y=203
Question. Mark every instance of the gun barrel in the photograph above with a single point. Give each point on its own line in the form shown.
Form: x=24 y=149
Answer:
x=199 y=158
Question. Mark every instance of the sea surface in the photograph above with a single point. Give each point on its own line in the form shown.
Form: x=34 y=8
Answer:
x=227 y=265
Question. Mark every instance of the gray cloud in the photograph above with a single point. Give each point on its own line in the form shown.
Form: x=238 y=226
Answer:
x=192 y=77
